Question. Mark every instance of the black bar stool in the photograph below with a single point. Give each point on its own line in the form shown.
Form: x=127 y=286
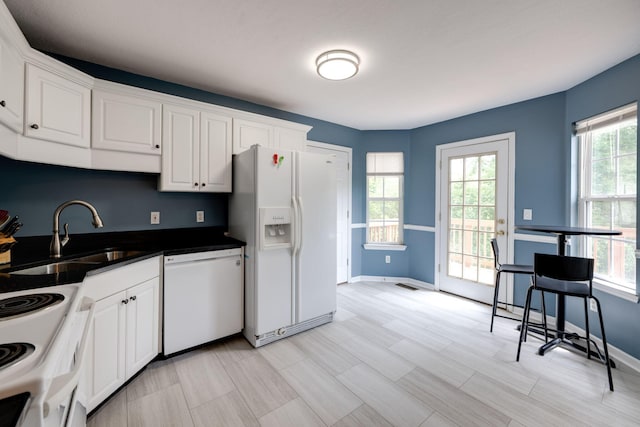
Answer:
x=572 y=277
x=506 y=268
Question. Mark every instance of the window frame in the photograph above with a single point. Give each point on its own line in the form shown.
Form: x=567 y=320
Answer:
x=582 y=130
x=399 y=245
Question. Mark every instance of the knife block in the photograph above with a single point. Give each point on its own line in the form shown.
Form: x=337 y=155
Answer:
x=5 y=248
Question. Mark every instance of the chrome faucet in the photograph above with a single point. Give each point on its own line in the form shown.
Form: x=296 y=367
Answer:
x=56 y=246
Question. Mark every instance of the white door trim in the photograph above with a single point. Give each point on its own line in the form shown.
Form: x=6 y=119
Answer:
x=349 y=151
x=511 y=138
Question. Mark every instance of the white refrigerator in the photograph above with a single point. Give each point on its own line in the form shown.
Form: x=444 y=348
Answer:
x=283 y=206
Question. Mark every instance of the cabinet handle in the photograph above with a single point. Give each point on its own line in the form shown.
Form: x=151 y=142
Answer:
x=125 y=301
x=157 y=145
x=133 y=298
x=203 y=184
x=3 y=103
x=195 y=184
x=35 y=126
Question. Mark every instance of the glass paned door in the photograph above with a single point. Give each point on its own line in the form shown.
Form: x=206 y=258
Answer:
x=472 y=217
x=473 y=209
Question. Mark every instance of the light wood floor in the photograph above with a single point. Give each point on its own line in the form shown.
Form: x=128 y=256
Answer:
x=392 y=357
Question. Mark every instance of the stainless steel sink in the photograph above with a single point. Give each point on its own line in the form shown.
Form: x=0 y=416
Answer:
x=80 y=263
x=107 y=256
x=56 y=267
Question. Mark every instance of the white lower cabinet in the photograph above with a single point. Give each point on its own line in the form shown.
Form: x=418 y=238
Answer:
x=106 y=351
x=142 y=325
x=124 y=334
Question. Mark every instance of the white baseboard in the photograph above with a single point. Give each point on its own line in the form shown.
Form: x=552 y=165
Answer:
x=383 y=279
x=615 y=353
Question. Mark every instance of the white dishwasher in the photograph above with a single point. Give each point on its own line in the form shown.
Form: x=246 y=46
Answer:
x=203 y=298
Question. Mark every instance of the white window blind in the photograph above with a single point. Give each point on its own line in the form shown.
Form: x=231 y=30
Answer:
x=380 y=163
x=628 y=112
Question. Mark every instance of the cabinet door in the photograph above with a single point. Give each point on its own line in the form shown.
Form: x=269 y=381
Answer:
x=106 y=353
x=142 y=325
x=11 y=88
x=247 y=133
x=215 y=153
x=126 y=123
x=181 y=153
x=290 y=139
x=56 y=109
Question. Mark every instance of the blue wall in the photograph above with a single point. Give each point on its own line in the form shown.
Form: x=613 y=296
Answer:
x=539 y=165
x=123 y=200
x=373 y=261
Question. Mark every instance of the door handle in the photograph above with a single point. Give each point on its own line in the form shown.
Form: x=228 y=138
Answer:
x=500 y=233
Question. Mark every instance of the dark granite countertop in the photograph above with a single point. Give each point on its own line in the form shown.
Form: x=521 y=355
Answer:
x=34 y=251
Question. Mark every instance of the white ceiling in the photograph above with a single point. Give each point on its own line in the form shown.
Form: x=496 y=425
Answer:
x=422 y=61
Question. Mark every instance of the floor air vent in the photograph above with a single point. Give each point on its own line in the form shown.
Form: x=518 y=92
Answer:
x=411 y=288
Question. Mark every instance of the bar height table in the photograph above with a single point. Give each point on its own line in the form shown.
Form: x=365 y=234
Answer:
x=563 y=232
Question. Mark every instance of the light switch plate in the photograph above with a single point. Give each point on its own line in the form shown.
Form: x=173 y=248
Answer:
x=527 y=214
x=199 y=216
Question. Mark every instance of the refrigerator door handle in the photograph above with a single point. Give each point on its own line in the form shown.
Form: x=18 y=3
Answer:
x=294 y=227
x=299 y=221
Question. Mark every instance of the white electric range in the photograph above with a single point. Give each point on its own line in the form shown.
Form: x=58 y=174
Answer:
x=43 y=335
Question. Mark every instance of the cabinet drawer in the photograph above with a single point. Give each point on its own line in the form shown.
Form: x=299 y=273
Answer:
x=102 y=285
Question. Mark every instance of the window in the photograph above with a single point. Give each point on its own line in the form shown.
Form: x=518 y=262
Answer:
x=608 y=156
x=385 y=173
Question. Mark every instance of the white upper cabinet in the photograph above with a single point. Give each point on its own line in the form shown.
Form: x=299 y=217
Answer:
x=181 y=135
x=57 y=109
x=291 y=139
x=125 y=122
x=126 y=128
x=268 y=132
x=197 y=150
x=11 y=88
x=215 y=152
x=247 y=133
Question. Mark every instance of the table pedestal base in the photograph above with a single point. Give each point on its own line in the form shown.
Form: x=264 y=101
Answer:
x=566 y=340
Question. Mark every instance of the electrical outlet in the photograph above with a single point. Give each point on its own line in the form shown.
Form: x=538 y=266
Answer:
x=155 y=217
x=199 y=216
x=592 y=305
x=527 y=214
x=387 y=259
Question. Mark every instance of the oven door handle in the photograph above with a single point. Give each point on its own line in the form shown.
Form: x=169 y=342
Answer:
x=63 y=385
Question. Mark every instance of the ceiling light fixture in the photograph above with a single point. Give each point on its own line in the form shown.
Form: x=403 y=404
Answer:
x=337 y=64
